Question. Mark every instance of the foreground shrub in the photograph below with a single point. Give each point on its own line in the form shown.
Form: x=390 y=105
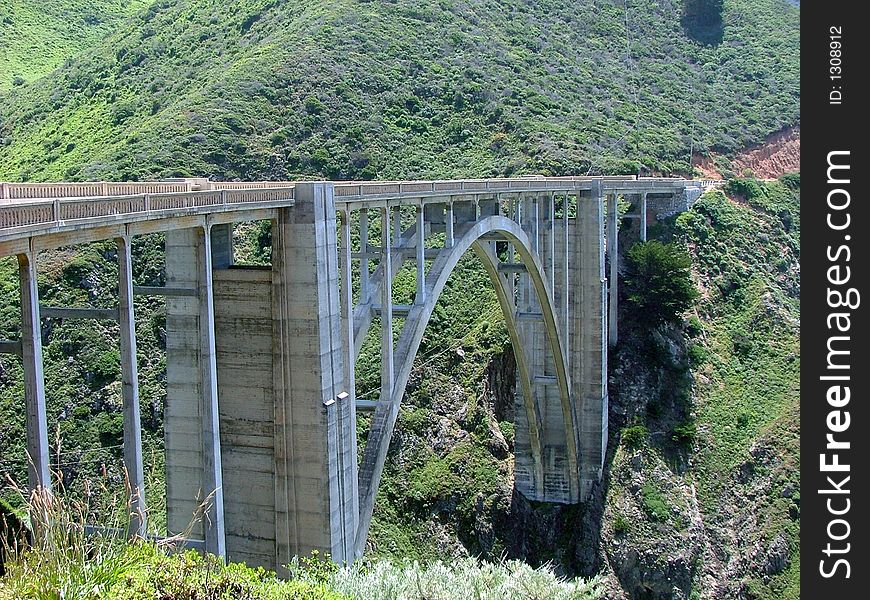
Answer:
x=65 y=563
x=460 y=578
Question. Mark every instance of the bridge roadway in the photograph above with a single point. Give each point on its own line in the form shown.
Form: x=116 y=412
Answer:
x=260 y=416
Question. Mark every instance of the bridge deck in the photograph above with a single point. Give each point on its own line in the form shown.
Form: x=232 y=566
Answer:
x=66 y=213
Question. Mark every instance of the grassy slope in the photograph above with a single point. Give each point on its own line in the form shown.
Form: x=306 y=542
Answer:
x=349 y=89
x=37 y=37
x=725 y=498
x=747 y=256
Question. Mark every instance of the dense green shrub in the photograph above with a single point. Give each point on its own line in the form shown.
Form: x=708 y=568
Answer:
x=684 y=434
x=634 y=437
x=747 y=188
x=658 y=281
x=654 y=502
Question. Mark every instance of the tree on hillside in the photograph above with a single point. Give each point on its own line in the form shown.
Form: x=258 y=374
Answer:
x=659 y=281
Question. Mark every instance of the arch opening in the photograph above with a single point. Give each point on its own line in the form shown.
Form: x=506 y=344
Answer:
x=407 y=345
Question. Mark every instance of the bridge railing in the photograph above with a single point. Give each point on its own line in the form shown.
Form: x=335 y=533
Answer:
x=45 y=212
x=13 y=193
x=27 y=191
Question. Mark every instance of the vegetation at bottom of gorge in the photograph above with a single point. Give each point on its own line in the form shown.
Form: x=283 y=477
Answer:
x=352 y=89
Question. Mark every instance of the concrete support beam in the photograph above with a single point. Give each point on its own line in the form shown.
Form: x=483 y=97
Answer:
x=613 y=257
x=420 y=297
x=588 y=358
x=387 y=374
x=63 y=312
x=551 y=247
x=10 y=347
x=511 y=267
x=448 y=236
x=146 y=290
x=566 y=270
x=215 y=535
x=314 y=466
x=643 y=217
x=36 y=422
x=130 y=390
x=350 y=406
x=364 y=278
x=183 y=428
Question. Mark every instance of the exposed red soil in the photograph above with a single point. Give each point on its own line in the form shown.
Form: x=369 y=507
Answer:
x=779 y=154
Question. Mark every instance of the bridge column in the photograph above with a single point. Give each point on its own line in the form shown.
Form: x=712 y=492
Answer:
x=364 y=285
x=643 y=217
x=613 y=257
x=215 y=534
x=194 y=478
x=34 y=382
x=130 y=389
x=588 y=355
x=314 y=463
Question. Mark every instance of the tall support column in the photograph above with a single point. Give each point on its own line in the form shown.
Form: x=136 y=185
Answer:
x=551 y=228
x=314 y=462
x=588 y=358
x=613 y=256
x=421 y=258
x=448 y=238
x=643 y=217
x=38 y=473
x=130 y=390
x=215 y=536
x=364 y=281
x=387 y=372
x=347 y=429
x=566 y=298
x=385 y=412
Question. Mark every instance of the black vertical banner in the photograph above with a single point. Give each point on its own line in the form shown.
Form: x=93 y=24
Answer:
x=835 y=348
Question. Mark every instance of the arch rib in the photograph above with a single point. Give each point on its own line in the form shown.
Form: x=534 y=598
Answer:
x=406 y=348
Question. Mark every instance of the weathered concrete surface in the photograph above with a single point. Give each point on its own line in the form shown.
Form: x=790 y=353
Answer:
x=588 y=332
x=244 y=340
x=313 y=453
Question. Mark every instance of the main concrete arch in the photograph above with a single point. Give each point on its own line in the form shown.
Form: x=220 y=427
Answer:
x=476 y=237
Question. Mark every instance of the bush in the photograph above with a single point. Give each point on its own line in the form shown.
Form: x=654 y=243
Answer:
x=621 y=526
x=659 y=281
x=792 y=181
x=745 y=188
x=634 y=437
x=654 y=503
x=684 y=434
x=697 y=354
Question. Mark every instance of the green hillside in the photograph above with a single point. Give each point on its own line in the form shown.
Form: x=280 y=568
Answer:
x=363 y=89
x=37 y=37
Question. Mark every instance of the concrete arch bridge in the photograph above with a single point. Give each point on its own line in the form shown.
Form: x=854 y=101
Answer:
x=261 y=405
